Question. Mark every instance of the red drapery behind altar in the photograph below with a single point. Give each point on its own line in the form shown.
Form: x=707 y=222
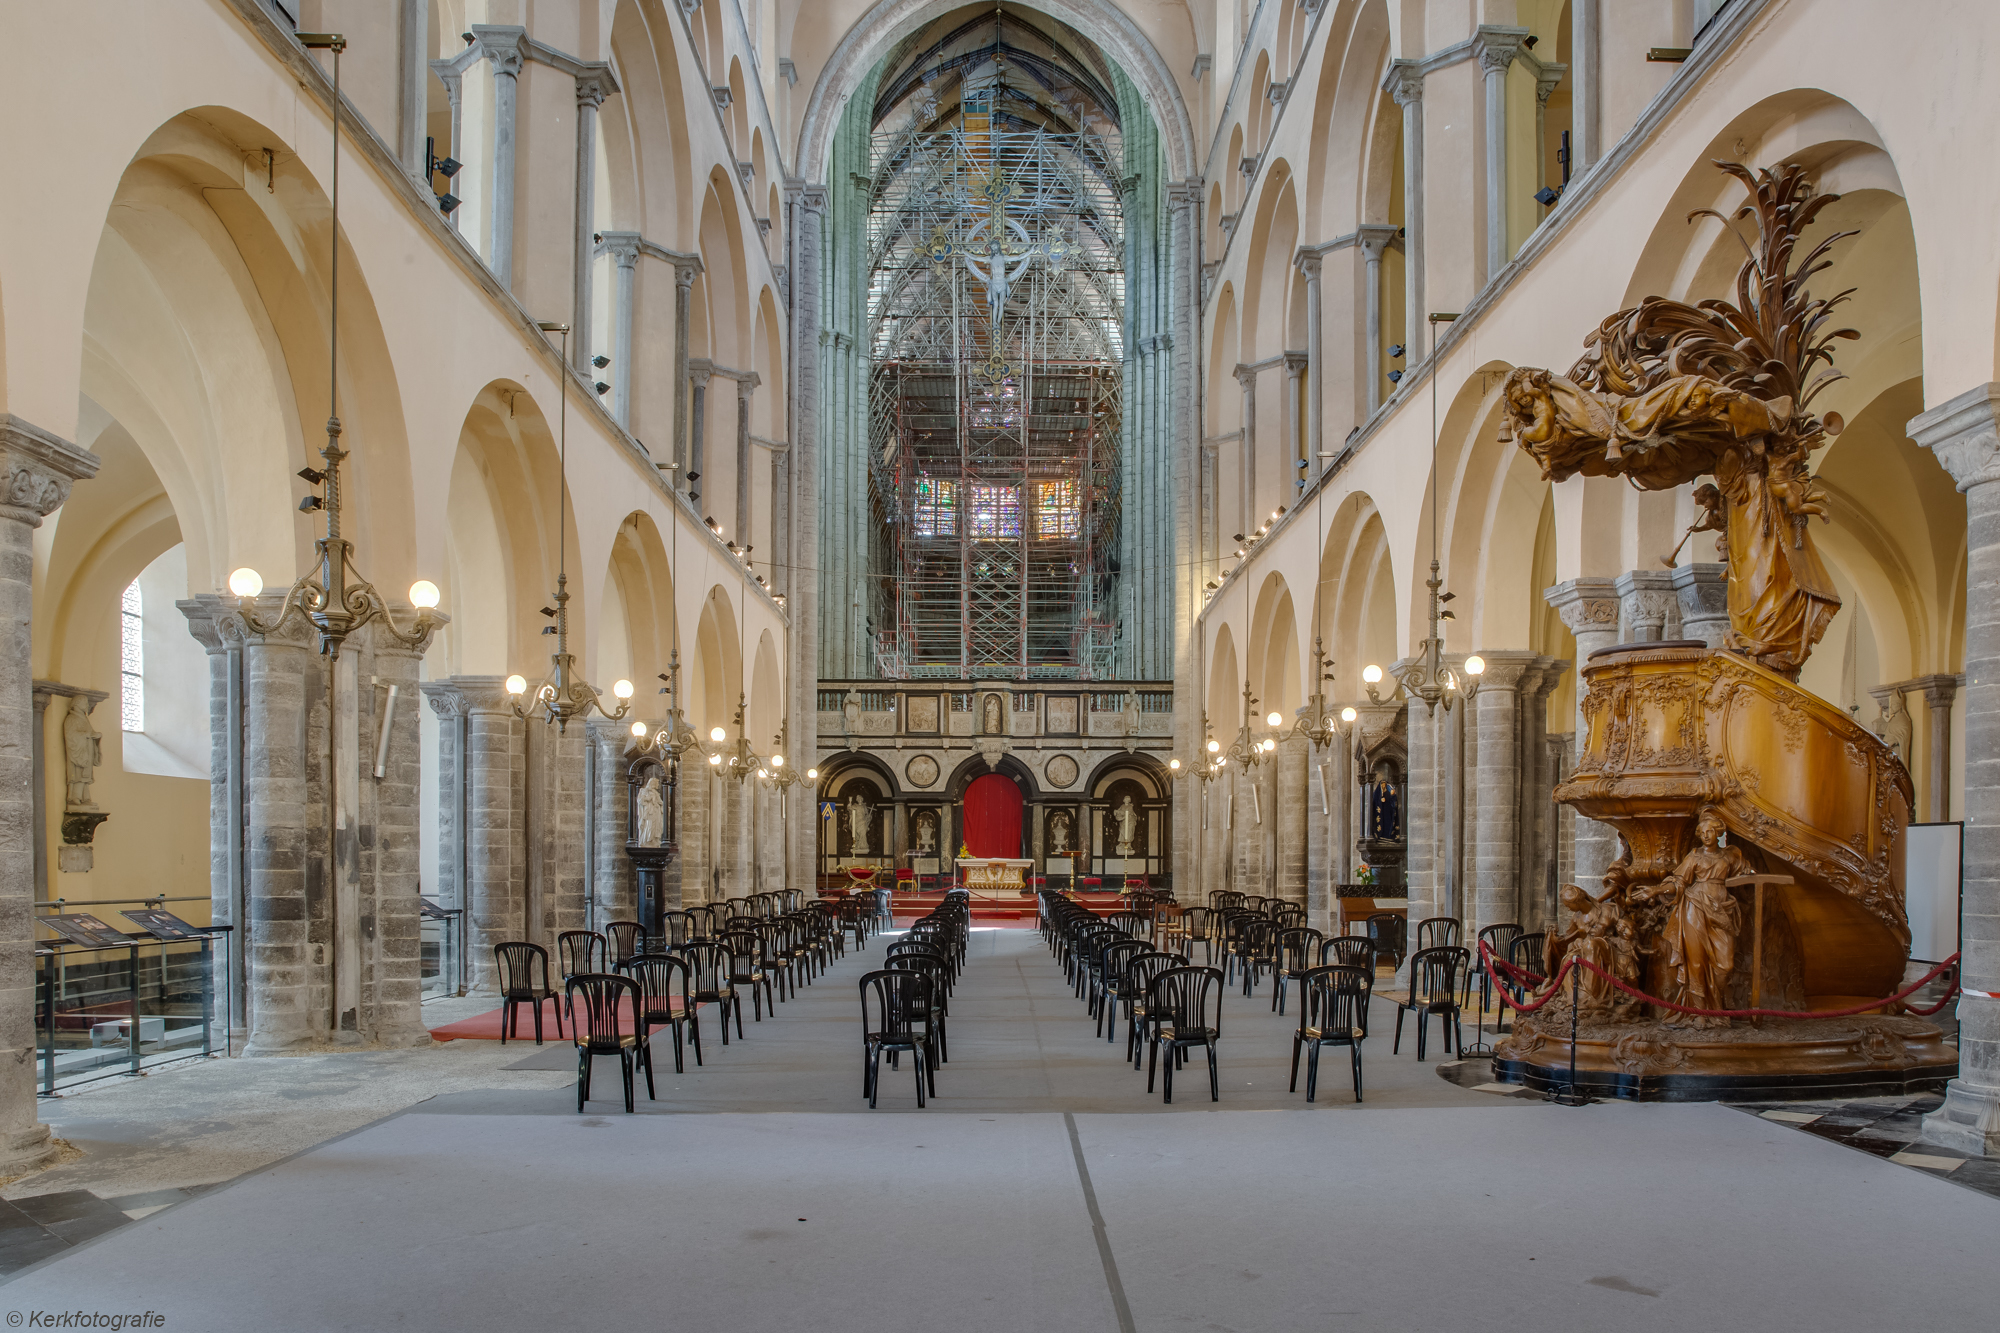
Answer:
x=993 y=817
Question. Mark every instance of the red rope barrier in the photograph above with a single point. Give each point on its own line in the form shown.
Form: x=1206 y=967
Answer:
x=1554 y=985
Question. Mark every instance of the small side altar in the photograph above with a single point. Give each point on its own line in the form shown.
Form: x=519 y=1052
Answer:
x=994 y=874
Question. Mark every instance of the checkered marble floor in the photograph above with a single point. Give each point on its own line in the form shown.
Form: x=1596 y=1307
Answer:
x=1890 y=1127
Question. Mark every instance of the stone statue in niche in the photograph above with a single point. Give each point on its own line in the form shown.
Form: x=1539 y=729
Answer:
x=1702 y=924
x=860 y=822
x=83 y=751
x=1895 y=727
x=652 y=823
x=926 y=834
x=1126 y=817
x=1059 y=833
x=990 y=721
x=1385 y=811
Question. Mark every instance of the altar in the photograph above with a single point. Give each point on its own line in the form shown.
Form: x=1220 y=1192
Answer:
x=994 y=874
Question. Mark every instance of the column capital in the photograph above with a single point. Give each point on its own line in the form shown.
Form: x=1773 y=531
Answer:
x=1938 y=690
x=37 y=469
x=813 y=198
x=686 y=269
x=482 y=695
x=1646 y=596
x=504 y=45
x=1183 y=194
x=700 y=368
x=1548 y=78
x=446 y=699
x=1296 y=363
x=1405 y=82
x=1374 y=238
x=1506 y=669
x=622 y=246
x=1964 y=433
x=746 y=384
x=1307 y=261
x=1246 y=376
x=1586 y=605
x=594 y=84
x=1495 y=47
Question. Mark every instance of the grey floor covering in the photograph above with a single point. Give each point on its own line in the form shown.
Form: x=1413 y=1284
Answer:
x=1432 y=1207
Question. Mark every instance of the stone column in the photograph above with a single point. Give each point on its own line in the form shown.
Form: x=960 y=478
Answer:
x=1645 y=598
x=220 y=634
x=1247 y=377
x=612 y=890
x=1703 y=591
x=1586 y=85
x=623 y=247
x=1374 y=240
x=1423 y=806
x=37 y=470
x=1495 y=49
x=1495 y=834
x=1322 y=843
x=697 y=792
x=1308 y=261
x=502 y=47
x=451 y=74
x=807 y=235
x=1589 y=608
x=495 y=851
x=1938 y=692
x=746 y=384
x=287 y=915
x=1295 y=370
x=412 y=83
x=699 y=372
x=448 y=704
x=392 y=926
x=592 y=87
x=684 y=275
x=1291 y=786
x=1964 y=433
x=1405 y=84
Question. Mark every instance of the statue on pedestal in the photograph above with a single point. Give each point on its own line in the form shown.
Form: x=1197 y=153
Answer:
x=83 y=751
x=860 y=822
x=1126 y=817
x=926 y=834
x=1703 y=923
x=652 y=813
x=1059 y=833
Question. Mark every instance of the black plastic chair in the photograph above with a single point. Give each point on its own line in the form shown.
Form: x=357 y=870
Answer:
x=524 y=979
x=1139 y=975
x=1348 y=951
x=1390 y=933
x=1434 y=977
x=674 y=932
x=1253 y=948
x=666 y=999
x=1108 y=977
x=1439 y=932
x=895 y=1017
x=600 y=1030
x=709 y=966
x=928 y=963
x=626 y=941
x=1333 y=1011
x=1294 y=956
x=746 y=969
x=580 y=951
x=1495 y=937
x=1527 y=951
x=1184 y=1007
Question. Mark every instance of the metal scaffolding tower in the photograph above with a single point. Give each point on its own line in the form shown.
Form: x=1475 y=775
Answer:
x=996 y=327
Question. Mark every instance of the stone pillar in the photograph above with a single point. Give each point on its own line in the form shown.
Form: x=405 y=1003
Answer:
x=1247 y=377
x=221 y=635
x=1423 y=806
x=746 y=384
x=684 y=275
x=612 y=894
x=502 y=47
x=1964 y=433
x=451 y=73
x=1405 y=84
x=1703 y=591
x=1496 y=832
x=592 y=87
x=1645 y=599
x=448 y=703
x=1374 y=240
x=37 y=470
x=495 y=852
x=391 y=989
x=1589 y=608
x=699 y=372
x=1322 y=844
x=286 y=913
x=807 y=236
x=1495 y=49
x=1938 y=692
x=1291 y=786
x=697 y=793
x=623 y=247
x=412 y=84
x=1295 y=369
x=1308 y=262
x=1586 y=85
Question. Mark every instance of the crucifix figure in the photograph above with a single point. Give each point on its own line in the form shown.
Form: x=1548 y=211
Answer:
x=1002 y=267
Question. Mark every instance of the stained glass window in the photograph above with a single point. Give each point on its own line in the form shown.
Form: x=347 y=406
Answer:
x=994 y=511
x=935 y=511
x=132 y=660
x=1056 y=512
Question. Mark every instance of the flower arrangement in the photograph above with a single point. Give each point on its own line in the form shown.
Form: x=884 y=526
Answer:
x=964 y=852
x=1364 y=873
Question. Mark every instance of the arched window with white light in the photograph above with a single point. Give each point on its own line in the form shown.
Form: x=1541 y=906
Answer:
x=132 y=659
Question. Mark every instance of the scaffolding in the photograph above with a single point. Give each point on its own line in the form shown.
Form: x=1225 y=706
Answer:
x=996 y=330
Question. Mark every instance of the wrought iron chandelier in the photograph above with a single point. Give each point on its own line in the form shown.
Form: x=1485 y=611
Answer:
x=324 y=594
x=564 y=695
x=1319 y=726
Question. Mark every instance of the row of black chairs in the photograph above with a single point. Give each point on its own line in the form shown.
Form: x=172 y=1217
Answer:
x=906 y=1004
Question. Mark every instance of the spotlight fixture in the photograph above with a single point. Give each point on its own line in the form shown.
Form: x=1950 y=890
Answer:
x=1395 y=377
x=310 y=503
x=312 y=475
x=600 y=361
x=448 y=203
x=1529 y=41
x=1396 y=351
x=1546 y=197
x=602 y=388
x=694 y=476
